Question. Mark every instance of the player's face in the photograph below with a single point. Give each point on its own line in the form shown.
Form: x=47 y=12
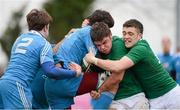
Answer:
x=130 y=36
x=166 y=45
x=105 y=45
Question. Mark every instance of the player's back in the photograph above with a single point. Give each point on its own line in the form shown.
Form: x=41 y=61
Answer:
x=25 y=58
x=75 y=46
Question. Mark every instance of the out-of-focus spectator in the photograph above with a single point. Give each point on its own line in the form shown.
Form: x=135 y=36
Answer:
x=166 y=57
x=1 y=71
x=176 y=65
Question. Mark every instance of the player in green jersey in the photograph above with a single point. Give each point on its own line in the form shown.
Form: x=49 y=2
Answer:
x=129 y=94
x=161 y=90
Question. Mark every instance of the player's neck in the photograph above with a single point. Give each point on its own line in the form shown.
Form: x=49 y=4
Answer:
x=43 y=34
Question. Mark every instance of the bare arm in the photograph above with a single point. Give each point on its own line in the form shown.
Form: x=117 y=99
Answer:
x=112 y=83
x=109 y=65
x=55 y=49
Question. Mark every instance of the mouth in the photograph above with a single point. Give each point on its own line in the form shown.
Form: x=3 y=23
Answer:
x=127 y=41
x=104 y=51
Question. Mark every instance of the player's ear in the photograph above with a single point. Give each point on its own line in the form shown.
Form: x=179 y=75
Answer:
x=140 y=35
x=45 y=28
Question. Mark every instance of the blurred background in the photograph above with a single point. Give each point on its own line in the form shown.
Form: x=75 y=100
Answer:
x=159 y=17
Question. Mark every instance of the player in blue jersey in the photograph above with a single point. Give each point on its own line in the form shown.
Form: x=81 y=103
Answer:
x=30 y=51
x=176 y=65
x=166 y=57
x=73 y=48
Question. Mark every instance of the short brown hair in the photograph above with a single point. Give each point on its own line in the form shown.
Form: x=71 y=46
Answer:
x=101 y=16
x=99 y=31
x=38 y=19
x=134 y=23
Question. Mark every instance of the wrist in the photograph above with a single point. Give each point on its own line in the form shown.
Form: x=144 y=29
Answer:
x=78 y=73
x=95 y=60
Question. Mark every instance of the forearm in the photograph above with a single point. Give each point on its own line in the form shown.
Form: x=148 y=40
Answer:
x=57 y=73
x=112 y=83
x=108 y=65
x=114 y=66
x=56 y=47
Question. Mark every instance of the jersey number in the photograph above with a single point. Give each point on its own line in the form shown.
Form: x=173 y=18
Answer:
x=20 y=49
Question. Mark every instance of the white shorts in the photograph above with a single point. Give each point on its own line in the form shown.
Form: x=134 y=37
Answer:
x=170 y=100
x=138 y=101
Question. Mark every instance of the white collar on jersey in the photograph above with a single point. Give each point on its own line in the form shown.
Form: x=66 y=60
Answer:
x=36 y=32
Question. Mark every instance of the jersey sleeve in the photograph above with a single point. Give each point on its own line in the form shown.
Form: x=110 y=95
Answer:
x=46 y=53
x=137 y=53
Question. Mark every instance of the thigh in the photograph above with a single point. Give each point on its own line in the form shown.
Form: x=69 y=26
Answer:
x=14 y=96
x=88 y=83
x=137 y=101
x=157 y=103
x=173 y=100
x=170 y=100
x=116 y=105
x=140 y=102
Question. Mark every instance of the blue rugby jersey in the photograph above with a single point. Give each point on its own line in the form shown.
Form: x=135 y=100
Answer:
x=28 y=52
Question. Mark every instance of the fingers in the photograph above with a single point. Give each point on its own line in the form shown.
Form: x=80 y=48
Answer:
x=89 y=56
x=72 y=66
x=75 y=67
x=95 y=94
x=85 y=23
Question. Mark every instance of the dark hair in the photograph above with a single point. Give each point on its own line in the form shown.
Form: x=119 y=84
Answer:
x=134 y=23
x=38 y=19
x=101 y=16
x=99 y=31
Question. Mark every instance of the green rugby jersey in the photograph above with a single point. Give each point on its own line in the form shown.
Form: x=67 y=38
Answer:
x=149 y=72
x=129 y=85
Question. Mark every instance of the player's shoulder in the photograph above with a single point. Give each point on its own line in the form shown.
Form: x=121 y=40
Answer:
x=117 y=39
x=81 y=32
x=85 y=29
x=142 y=43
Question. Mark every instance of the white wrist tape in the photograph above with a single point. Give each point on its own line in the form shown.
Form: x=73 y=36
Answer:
x=95 y=60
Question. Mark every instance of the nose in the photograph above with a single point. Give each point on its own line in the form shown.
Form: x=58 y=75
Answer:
x=102 y=47
x=126 y=36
